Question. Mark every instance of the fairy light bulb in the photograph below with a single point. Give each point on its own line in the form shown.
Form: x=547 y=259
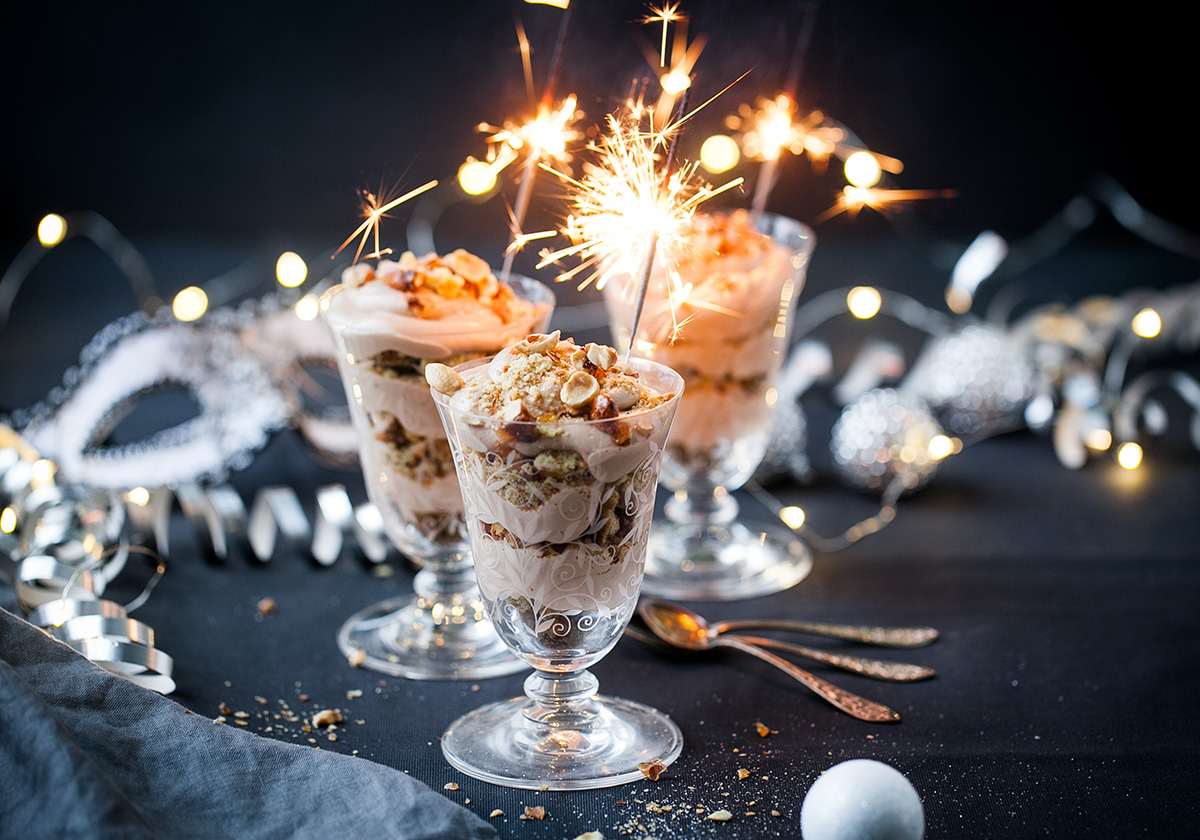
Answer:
x=1147 y=323
x=792 y=516
x=139 y=496
x=863 y=170
x=674 y=82
x=864 y=302
x=8 y=520
x=719 y=153
x=476 y=177
x=308 y=307
x=189 y=304
x=1129 y=455
x=290 y=269
x=51 y=230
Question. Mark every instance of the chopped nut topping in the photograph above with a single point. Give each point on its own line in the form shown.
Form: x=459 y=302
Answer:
x=442 y=378
x=580 y=389
x=601 y=355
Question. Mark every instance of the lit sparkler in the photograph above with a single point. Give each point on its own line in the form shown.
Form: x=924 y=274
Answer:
x=373 y=211
x=630 y=204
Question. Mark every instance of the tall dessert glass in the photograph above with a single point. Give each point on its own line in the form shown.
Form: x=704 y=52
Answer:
x=559 y=508
x=388 y=324
x=719 y=314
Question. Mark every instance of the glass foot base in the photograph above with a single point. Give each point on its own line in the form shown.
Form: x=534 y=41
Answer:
x=500 y=745
x=400 y=637
x=689 y=562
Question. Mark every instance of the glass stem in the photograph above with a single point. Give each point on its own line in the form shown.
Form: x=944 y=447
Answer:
x=561 y=701
x=448 y=596
x=702 y=505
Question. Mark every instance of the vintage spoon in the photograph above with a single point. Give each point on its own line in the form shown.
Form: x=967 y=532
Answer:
x=688 y=630
x=895 y=637
x=878 y=668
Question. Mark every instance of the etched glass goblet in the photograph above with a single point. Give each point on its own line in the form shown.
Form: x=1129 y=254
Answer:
x=441 y=631
x=718 y=313
x=559 y=513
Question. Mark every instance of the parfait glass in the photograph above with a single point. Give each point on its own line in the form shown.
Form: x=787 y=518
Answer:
x=441 y=631
x=559 y=513
x=724 y=327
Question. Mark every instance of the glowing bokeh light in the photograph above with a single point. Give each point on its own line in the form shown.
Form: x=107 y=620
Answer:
x=1147 y=323
x=476 y=177
x=719 y=153
x=8 y=520
x=51 y=230
x=189 y=304
x=863 y=170
x=792 y=516
x=308 y=307
x=1129 y=455
x=864 y=302
x=1098 y=440
x=139 y=496
x=290 y=269
x=942 y=446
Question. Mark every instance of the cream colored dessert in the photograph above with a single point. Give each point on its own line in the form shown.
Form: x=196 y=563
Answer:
x=559 y=447
x=721 y=326
x=390 y=322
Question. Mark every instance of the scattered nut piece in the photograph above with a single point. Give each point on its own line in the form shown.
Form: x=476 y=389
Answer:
x=241 y=714
x=776 y=814
x=762 y=729
x=720 y=816
x=450 y=786
x=496 y=812
x=590 y=835
x=743 y=773
x=357 y=658
x=534 y=812
x=327 y=717
x=652 y=770
x=579 y=389
x=354 y=693
x=266 y=606
x=443 y=378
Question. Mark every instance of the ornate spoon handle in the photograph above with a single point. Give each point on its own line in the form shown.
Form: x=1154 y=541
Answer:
x=897 y=637
x=851 y=704
x=878 y=668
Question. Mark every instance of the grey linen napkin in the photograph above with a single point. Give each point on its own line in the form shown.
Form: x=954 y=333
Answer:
x=86 y=754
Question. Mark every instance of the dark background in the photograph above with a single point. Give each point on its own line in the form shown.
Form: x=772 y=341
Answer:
x=264 y=119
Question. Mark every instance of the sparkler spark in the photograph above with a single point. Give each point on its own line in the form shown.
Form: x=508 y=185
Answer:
x=666 y=15
x=373 y=211
x=549 y=134
x=854 y=199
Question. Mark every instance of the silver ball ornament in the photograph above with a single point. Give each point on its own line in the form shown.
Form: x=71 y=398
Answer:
x=976 y=380
x=884 y=435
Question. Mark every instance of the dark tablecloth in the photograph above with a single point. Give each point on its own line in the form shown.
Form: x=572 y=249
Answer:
x=1068 y=666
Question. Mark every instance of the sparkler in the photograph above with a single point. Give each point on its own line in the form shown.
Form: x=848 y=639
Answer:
x=666 y=15
x=373 y=211
x=631 y=204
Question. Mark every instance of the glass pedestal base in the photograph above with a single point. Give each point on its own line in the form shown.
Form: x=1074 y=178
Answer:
x=507 y=744
x=691 y=561
x=409 y=637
